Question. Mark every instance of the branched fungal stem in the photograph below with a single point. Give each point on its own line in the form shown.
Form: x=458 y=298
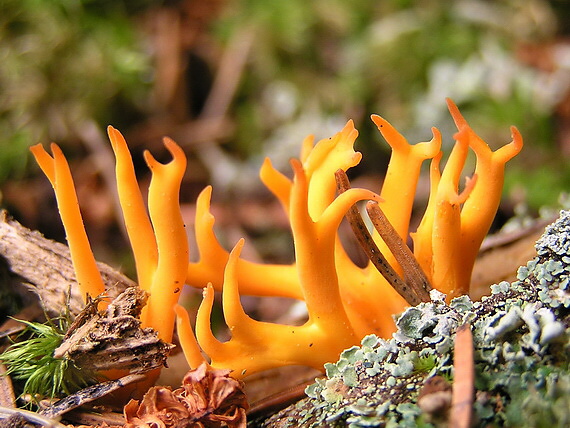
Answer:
x=413 y=296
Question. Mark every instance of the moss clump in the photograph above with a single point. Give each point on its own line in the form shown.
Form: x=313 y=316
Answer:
x=31 y=362
x=521 y=337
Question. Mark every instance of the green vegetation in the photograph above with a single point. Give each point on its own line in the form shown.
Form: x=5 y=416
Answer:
x=64 y=63
x=31 y=361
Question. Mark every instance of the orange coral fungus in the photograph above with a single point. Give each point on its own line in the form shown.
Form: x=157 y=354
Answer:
x=344 y=301
x=449 y=236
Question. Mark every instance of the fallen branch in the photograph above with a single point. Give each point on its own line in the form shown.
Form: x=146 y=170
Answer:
x=88 y=395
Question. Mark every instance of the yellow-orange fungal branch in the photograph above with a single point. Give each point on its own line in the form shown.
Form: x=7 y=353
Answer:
x=422 y=238
x=256 y=345
x=447 y=271
x=480 y=208
x=57 y=171
x=171 y=240
x=315 y=245
x=276 y=182
x=188 y=342
x=454 y=225
x=160 y=247
x=322 y=162
x=204 y=334
x=137 y=222
x=307 y=147
x=319 y=164
x=399 y=188
x=213 y=257
x=255 y=279
x=446 y=226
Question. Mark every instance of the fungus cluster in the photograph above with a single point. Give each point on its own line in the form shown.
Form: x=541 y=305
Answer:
x=521 y=341
x=345 y=302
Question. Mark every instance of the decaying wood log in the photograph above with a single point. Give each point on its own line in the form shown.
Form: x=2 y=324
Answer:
x=46 y=267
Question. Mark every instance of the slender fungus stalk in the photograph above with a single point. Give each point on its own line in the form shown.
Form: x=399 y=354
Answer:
x=403 y=172
x=171 y=240
x=57 y=171
x=187 y=339
x=137 y=222
x=480 y=207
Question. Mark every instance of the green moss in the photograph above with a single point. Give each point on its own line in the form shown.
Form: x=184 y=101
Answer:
x=31 y=362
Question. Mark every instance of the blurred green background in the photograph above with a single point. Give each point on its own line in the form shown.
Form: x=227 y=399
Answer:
x=236 y=80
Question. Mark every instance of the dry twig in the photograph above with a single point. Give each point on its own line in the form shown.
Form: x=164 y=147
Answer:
x=413 y=292
x=413 y=273
x=464 y=379
x=87 y=395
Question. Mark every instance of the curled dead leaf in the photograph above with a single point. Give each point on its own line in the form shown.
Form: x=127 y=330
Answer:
x=208 y=398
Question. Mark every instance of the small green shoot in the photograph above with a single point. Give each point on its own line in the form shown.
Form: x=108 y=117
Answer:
x=424 y=364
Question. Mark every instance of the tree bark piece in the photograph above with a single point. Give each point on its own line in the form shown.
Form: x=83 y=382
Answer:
x=46 y=267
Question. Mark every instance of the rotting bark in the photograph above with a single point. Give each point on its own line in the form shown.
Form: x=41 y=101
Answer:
x=114 y=339
x=46 y=268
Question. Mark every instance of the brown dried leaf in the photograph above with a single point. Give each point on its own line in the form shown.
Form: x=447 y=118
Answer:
x=158 y=408
x=208 y=398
